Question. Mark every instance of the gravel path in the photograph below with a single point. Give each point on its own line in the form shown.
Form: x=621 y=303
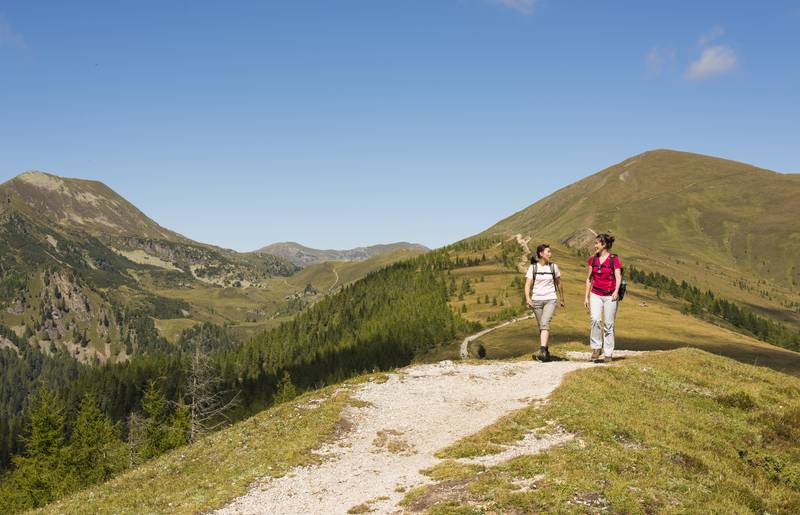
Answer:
x=405 y=420
x=464 y=349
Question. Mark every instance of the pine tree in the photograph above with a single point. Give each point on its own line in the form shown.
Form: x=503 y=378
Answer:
x=180 y=427
x=156 y=423
x=39 y=474
x=95 y=452
x=286 y=389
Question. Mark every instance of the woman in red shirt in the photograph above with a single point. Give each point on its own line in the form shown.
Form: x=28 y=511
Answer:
x=602 y=295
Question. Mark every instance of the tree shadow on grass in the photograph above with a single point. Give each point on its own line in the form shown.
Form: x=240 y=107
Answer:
x=519 y=343
x=777 y=359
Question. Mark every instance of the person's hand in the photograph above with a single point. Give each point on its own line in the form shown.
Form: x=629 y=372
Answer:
x=586 y=303
x=530 y=303
x=615 y=296
x=563 y=304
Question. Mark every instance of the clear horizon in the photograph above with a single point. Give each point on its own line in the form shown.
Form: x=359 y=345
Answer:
x=256 y=124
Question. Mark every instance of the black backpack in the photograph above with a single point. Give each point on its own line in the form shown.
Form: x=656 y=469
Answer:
x=623 y=286
x=551 y=272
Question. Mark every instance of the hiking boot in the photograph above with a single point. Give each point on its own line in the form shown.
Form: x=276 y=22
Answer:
x=607 y=359
x=543 y=355
x=595 y=355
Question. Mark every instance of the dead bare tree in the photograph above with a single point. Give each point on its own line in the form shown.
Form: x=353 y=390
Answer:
x=136 y=438
x=208 y=404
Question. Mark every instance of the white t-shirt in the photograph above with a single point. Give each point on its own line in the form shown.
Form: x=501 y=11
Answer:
x=544 y=287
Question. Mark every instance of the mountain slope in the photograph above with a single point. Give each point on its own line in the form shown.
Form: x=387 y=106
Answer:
x=82 y=269
x=303 y=256
x=707 y=220
x=89 y=206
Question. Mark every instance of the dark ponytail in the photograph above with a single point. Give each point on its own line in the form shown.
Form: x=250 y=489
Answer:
x=606 y=239
x=539 y=250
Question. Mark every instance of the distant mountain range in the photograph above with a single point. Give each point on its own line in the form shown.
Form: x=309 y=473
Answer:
x=303 y=256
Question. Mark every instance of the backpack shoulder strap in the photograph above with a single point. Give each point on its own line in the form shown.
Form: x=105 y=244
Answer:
x=553 y=270
x=534 y=271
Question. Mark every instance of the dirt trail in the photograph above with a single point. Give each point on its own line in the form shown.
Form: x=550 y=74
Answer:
x=526 y=254
x=523 y=267
x=404 y=422
x=464 y=350
x=336 y=273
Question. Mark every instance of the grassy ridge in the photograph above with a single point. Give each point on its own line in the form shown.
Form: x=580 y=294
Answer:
x=718 y=224
x=676 y=432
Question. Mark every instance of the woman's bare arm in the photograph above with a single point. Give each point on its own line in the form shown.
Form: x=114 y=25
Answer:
x=588 y=288
x=528 y=285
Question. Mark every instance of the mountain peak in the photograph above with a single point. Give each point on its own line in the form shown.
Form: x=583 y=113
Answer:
x=87 y=205
x=41 y=179
x=670 y=202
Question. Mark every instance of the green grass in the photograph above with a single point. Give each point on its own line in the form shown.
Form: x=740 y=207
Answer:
x=172 y=329
x=218 y=468
x=678 y=432
x=323 y=276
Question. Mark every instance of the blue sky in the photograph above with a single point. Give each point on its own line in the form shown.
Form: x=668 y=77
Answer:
x=344 y=123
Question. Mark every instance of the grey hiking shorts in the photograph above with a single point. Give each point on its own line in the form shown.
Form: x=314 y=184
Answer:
x=544 y=309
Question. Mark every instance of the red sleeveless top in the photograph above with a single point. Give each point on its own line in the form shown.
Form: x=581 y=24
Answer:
x=603 y=280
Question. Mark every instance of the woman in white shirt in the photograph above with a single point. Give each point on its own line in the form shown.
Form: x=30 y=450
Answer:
x=544 y=278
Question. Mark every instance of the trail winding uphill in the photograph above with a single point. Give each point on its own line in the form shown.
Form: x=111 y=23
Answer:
x=523 y=267
x=398 y=428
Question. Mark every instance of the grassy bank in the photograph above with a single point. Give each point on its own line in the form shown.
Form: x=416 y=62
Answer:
x=676 y=432
x=207 y=474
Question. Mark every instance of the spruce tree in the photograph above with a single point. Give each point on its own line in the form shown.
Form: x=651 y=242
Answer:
x=96 y=452
x=156 y=423
x=180 y=426
x=40 y=472
x=286 y=389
